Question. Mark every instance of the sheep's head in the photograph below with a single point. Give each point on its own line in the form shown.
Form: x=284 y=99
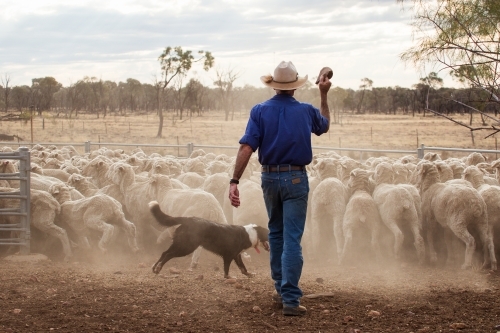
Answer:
x=7 y=167
x=426 y=170
x=327 y=167
x=175 y=168
x=346 y=166
x=197 y=152
x=35 y=168
x=383 y=173
x=359 y=179
x=445 y=171
x=60 y=192
x=474 y=175
x=401 y=173
x=159 y=167
x=457 y=168
x=431 y=156
x=475 y=158
x=75 y=179
x=94 y=167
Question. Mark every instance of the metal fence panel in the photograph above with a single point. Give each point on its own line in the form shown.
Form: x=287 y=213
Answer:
x=22 y=228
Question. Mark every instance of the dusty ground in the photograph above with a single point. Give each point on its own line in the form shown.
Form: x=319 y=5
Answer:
x=108 y=295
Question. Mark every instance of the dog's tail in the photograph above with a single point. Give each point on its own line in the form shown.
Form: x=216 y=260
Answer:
x=161 y=217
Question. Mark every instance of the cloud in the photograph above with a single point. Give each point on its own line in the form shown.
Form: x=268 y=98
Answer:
x=121 y=39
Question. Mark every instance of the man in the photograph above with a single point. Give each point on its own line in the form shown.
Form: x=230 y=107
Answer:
x=281 y=129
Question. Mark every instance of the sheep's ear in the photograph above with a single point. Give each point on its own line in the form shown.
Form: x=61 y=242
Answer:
x=121 y=168
x=100 y=163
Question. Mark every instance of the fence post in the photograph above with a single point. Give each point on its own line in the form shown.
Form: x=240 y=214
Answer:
x=420 y=151
x=25 y=206
x=87 y=147
x=189 y=149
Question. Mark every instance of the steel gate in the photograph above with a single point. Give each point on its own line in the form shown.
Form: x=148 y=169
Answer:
x=22 y=227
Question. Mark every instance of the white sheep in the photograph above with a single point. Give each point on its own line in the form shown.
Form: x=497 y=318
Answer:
x=44 y=209
x=490 y=194
x=217 y=184
x=361 y=210
x=9 y=167
x=99 y=212
x=56 y=173
x=43 y=183
x=137 y=196
x=454 y=207
x=328 y=204
x=97 y=170
x=191 y=179
x=396 y=205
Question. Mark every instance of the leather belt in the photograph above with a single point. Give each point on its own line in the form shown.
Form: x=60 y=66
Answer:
x=282 y=168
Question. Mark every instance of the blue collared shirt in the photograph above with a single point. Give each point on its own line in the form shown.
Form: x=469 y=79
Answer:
x=281 y=129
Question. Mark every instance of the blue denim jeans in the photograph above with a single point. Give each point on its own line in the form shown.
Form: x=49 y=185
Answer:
x=285 y=195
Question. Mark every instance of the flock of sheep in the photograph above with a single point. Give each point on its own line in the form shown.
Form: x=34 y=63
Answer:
x=90 y=200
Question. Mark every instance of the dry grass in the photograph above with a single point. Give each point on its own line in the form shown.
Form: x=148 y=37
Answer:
x=357 y=131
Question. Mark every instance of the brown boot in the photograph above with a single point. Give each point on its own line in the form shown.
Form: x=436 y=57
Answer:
x=278 y=302
x=295 y=311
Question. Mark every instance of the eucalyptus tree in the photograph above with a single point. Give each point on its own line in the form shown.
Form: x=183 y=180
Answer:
x=176 y=62
x=133 y=91
x=463 y=37
x=336 y=99
x=149 y=97
x=224 y=82
x=366 y=83
x=195 y=92
x=45 y=88
x=6 y=90
x=20 y=97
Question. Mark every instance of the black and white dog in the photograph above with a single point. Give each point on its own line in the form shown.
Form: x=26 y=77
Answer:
x=228 y=241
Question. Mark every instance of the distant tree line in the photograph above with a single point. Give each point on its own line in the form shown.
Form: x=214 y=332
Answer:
x=101 y=98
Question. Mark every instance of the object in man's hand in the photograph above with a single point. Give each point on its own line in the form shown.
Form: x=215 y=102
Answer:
x=325 y=70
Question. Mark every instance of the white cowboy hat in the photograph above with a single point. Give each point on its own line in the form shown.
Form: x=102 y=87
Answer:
x=285 y=77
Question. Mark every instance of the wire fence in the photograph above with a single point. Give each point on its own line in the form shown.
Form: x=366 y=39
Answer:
x=185 y=150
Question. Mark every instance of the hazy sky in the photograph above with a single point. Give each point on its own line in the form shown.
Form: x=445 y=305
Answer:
x=115 y=40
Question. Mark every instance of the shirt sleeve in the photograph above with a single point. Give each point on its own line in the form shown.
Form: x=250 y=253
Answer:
x=319 y=122
x=252 y=132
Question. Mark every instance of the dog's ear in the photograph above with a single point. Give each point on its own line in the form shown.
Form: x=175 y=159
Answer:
x=262 y=233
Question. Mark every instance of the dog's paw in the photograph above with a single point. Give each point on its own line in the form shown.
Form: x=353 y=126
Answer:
x=156 y=268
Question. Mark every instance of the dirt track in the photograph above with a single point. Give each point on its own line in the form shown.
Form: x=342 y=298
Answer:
x=126 y=296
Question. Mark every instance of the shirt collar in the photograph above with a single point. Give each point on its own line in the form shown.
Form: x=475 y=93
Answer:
x=283 y=97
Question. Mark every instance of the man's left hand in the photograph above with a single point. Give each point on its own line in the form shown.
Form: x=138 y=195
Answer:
x=234 y=195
